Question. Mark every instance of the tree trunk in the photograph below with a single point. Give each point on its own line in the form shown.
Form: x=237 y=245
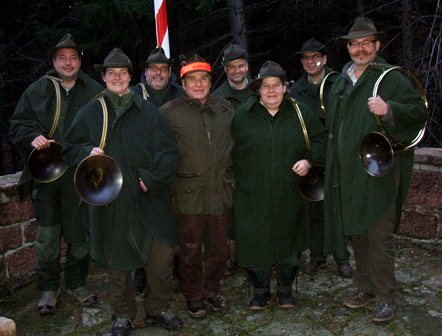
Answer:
x=407 y=36
x=238 y=22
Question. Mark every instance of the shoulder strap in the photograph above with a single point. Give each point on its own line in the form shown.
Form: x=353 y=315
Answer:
x=55 y=81
x=301 y=120
x=143 y=88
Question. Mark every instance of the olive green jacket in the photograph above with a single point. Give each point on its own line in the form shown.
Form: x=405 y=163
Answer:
x=35 y=111
x=354 y=200
x=204 y=180
x=270 y=215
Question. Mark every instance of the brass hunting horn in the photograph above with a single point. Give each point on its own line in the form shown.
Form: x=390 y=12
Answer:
x=311 y=186
x=98 y=178
x=377 y=149
x=46 y=165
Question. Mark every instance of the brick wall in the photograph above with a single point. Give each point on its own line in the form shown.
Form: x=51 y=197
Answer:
x=420 y=225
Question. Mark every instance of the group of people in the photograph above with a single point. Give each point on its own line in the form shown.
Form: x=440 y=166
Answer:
x=211 y=171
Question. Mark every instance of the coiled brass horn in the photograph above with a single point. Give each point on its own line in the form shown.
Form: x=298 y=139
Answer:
x=47 y=165
x=321 y=91
x=377 y=149
x=311 y=186
x=98 y=178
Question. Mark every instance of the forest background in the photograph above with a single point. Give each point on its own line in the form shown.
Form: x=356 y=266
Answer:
x=267 y=29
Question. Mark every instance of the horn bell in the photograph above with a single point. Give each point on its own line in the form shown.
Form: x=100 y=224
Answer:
x=311 y=186
x=46 y=165
x=98 y=179
x=376 y=153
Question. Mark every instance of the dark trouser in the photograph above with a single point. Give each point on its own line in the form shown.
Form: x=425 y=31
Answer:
x=159 y=276
x=374 y=255
x=159 y=289
x=197 y=284
x=341 y=253
x=122 y=294
x=57 y=214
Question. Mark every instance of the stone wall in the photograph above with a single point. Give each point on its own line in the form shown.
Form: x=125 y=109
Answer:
x=420 y=225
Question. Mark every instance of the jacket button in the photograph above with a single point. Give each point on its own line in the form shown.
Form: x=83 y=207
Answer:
x=330 y=136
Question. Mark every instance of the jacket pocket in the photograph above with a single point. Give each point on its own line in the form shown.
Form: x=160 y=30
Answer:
x=189 y=195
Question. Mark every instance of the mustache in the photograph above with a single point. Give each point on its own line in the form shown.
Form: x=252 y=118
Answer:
x=362 y=52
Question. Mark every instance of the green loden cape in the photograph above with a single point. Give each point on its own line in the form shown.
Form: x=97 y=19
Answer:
x=270 y=217
x=141 y=142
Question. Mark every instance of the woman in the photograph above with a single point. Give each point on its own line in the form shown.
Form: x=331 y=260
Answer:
x=270 y=155
x=137 y=228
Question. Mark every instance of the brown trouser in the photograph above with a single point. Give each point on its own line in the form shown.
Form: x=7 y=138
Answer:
x=374 y=256
x=197 y=284
x=159 y=288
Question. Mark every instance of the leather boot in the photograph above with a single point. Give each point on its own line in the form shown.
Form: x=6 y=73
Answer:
x=261 y=292
x=284 y=285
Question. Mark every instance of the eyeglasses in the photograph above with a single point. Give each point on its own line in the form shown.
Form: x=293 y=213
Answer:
x=311 y=58
x=162 y=69
x=120 y=74
x=363 y=44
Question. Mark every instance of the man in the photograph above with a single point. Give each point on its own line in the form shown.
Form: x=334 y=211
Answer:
x=236 y=90
x=56 y=203
x=367 y=208
x=203 y=188
x=306 y=90
x=137 y=229
x=157 y=86
x=158 y=83
x=236 y=87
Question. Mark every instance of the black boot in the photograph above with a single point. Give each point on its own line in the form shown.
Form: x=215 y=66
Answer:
x=285 y=298
x=285 y=282
x=261 y=297
x=261 y=291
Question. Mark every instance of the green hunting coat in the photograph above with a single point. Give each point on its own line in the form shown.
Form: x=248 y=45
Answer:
x=141 y=142
x=354 y=200
x=270 y=217
x=35 y=111
x=308 y=93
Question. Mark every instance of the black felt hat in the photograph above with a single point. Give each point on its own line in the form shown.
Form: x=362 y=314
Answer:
x=67 y=41
x=268 y=69
x=312 y=45
x=158 y=56
x=115 y=59
x=233 y=52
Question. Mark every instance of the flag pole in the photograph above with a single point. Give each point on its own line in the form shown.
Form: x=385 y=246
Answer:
x=162 y=29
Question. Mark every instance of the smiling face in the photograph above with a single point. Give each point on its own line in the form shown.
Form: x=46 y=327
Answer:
x=271 y=92
x=157 y=75
x=236 y=70
x=363 y=51
x=67 y=63
x=313 y=62
x=197 y=85
x=117 y=80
